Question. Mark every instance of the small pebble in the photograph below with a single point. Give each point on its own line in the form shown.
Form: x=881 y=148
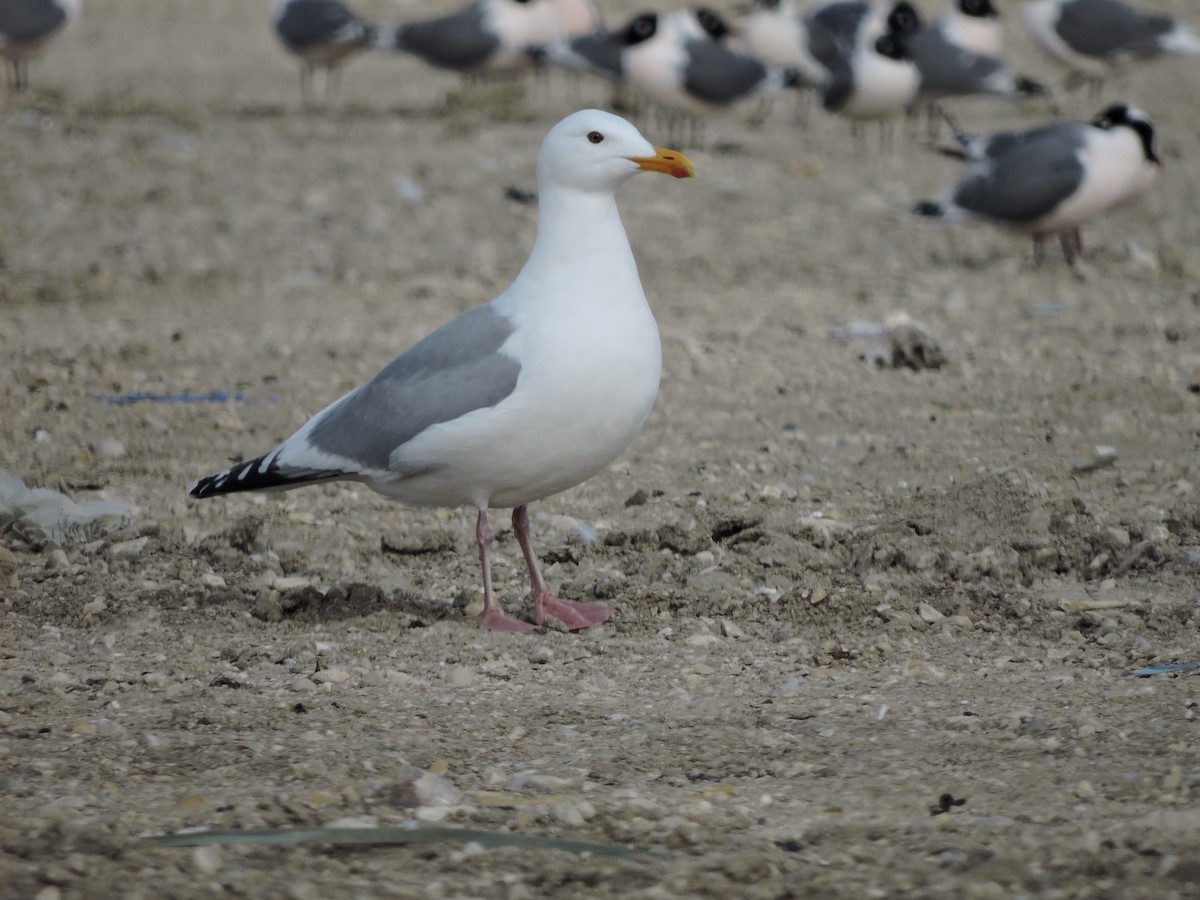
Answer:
x=929 y=614
x=207 y=859
x=110 y=448
x=330 y=676
x=57 y=560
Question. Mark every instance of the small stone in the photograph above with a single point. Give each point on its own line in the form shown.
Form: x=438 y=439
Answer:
x=569 y=814
x=330 y=676
x=703 y=669
x=207 y=859
x=731 y=630
x=267 y=607
x=929 y=614
x=110 y=448
x=283 y=584
x=703 y=639
x=459 y=676
x=95 y=607
x=1102 y=457
x=50 y=892
x=212 y=580
x=127 y=549
x=819 y=595
x=303 y=685
x=57 y=560
x=415 y=788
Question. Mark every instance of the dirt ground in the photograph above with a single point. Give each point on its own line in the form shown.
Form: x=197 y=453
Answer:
x=846 y=589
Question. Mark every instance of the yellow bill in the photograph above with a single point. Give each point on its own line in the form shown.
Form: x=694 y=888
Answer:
x=670 y=162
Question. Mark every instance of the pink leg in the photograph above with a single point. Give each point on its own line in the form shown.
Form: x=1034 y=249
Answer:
x=493 y=618
x=572 y=614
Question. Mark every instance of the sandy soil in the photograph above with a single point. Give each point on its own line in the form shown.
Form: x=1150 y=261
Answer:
x=846 y=589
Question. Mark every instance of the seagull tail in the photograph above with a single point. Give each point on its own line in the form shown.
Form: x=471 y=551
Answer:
x=261 y=474
x=929 y=209
x=1181 y=41
x=798 y=79
x=1028 y=87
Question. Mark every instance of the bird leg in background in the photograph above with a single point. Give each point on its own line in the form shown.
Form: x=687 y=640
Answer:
x=1039 y=251
x=306 y=84
x=1072 y=245
x=494 y=618
x=573 y=615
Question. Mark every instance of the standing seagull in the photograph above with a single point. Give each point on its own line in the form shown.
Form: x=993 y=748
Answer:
x=950 y=70
x=323 y=33
x=680 y=61
x=776 y=32
x=493 y=36
x=26 y=26
x=1052 y=179
x=1090 y=36
x=518 y=399
x=872 y=75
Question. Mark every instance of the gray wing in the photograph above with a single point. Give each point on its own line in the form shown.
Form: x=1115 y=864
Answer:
x=715 y=74
x=304 y=24
x=459 y=41
x=600 y=53
x=949 y=70
x=1105 y=27
x=29 y=20
x=833 y=32
x=839 y=88
x=455 y=370
x=986 y=149
x=1024 y=184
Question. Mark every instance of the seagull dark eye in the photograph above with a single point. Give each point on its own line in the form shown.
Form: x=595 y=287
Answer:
x=595 y=137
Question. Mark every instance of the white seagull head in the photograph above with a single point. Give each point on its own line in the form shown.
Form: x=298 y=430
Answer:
x=596 y=152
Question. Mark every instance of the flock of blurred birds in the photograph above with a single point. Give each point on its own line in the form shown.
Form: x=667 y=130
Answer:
x=864 y=60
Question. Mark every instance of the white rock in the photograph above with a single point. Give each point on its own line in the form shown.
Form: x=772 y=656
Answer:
x=110 y=448
x=129 y=548
x=207 y=859
x=212 y=580
x=331 y=676
x=929 y=614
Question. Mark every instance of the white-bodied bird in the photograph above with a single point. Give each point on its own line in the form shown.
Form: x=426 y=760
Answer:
x=518 y=399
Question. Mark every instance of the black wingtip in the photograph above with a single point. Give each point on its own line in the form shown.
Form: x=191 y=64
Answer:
x=953 y=152
x=261 y=474
x=1027 y=87
x=929 y=209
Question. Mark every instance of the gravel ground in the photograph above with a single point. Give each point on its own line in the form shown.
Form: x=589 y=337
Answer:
x=852 y=594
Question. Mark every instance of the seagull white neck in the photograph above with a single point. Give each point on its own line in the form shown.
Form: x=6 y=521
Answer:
x=581 y=249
